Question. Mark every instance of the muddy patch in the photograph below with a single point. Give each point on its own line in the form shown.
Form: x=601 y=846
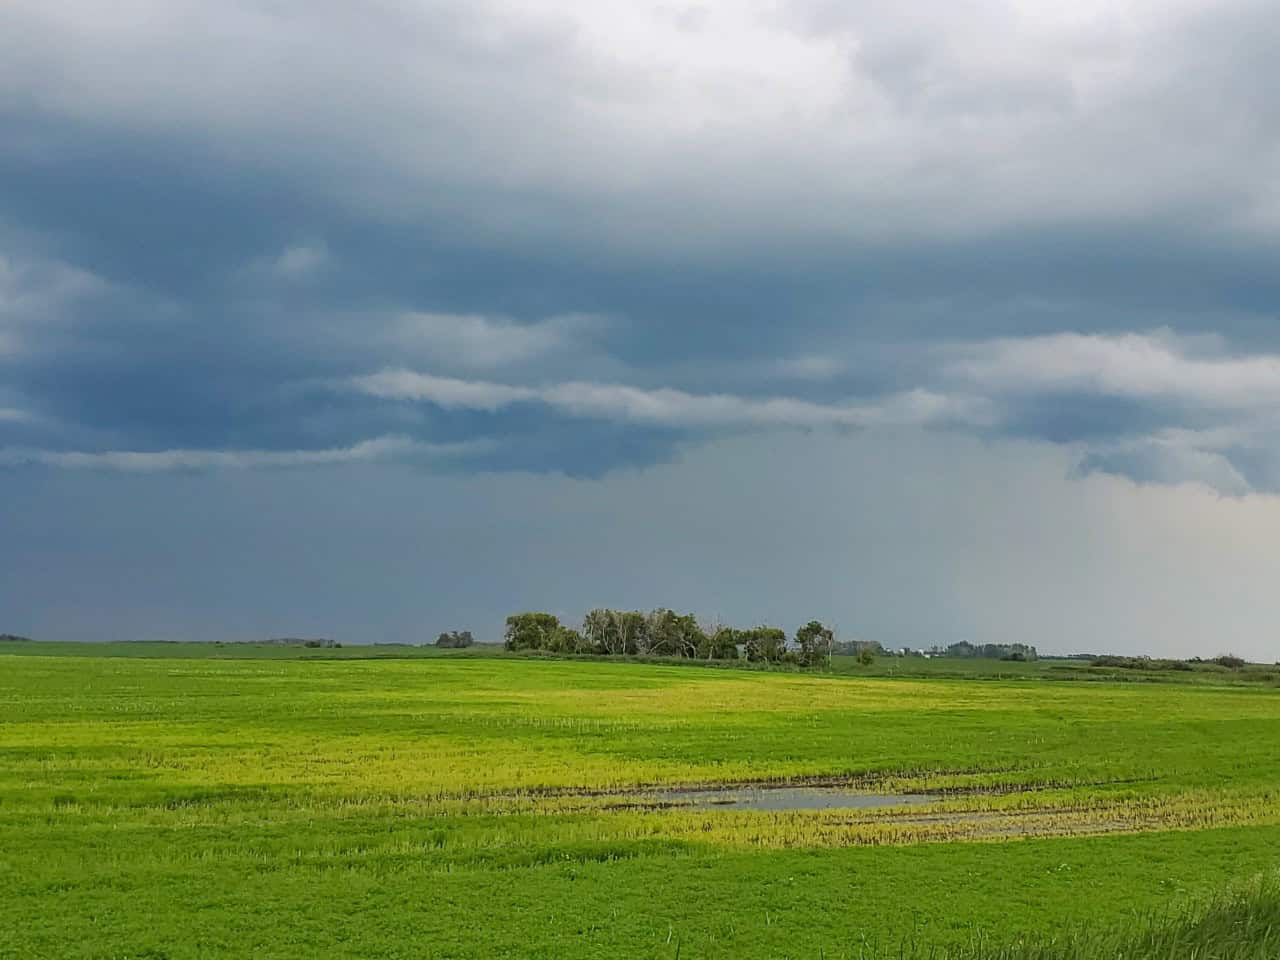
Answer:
x=779 y=798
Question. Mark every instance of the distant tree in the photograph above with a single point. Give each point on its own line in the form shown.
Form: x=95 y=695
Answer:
x=455 y=639
x=613 y=632
x=765 y=644
x=669 y=634
x=854 y=648
x=564 y=640
x=690 y=636
x=813 y=643
x=630 y=627
x=1230 y=660
x=866 y=656
x=529 y=631
x=598 y=631
x=720 y=643
x=658 y=637
x=664 y=633
x=988 y=651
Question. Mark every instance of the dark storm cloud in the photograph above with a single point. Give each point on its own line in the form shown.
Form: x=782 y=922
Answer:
x=212 y=216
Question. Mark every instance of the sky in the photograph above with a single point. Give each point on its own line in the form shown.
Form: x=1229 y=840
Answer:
x=935 y=321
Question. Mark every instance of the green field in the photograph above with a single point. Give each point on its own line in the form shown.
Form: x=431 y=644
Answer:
x=180 y=801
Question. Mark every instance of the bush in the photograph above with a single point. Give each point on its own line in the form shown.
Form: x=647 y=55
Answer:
x=1230 y=661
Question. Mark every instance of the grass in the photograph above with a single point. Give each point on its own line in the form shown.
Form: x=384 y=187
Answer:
x=1048 y=668
x=449 y=806
x=182 y=650
x=1242 y=924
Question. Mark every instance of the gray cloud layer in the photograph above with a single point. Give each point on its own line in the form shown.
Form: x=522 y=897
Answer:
x=380 y=448
x=720 y=122
x=1195 y=411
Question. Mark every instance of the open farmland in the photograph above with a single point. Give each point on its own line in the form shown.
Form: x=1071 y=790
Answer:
x=478 y=807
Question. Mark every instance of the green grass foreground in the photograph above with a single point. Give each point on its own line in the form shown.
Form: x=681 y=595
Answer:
x=190 y=807
x=1242 y=924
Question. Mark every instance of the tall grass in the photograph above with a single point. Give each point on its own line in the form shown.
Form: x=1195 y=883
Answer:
x=1243 y=924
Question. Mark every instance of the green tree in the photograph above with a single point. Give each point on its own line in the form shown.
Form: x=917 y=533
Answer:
x=813 y=643
x=765 y=644
x=455 y=639
x=529 y=631
x=669 y=634
x=613 y=631
x=630 y=627
x=659 y=636
x=720 y=644
x=598 y=630
x=562 y=639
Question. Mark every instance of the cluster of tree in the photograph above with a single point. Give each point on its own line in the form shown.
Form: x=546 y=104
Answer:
x=665 y=633
x=313 y=643
x=855 y=648
x=14 y=638
x=987 y=651
x=1230 y=661
x=455 y=639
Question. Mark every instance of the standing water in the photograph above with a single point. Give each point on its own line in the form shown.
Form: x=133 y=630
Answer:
x=783 y=798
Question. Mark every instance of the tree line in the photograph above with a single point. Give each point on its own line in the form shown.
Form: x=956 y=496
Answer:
x=987 y=651
x=665 y=633
x=455 y=639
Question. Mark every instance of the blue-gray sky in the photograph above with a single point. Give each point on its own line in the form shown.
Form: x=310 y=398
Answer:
x=935 y=320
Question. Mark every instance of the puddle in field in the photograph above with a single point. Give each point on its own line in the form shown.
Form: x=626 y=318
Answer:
x=780 y=798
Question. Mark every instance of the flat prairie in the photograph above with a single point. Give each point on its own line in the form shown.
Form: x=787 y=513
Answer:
x=168 y=804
